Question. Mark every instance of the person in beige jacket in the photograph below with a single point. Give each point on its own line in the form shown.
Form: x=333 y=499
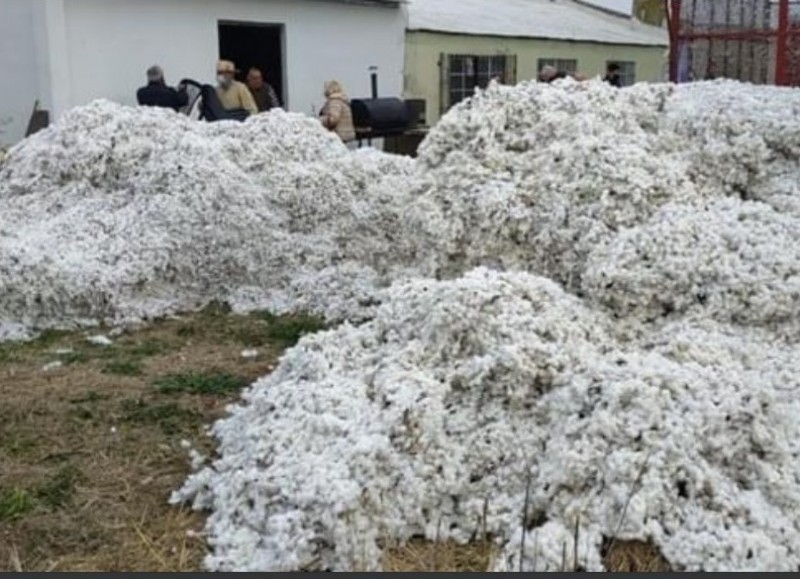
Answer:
x=232 y=93
x=336 y=115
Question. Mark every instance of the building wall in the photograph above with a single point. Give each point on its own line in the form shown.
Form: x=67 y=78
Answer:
x=651 y=11
x=101 y=48
x=20 y=63
x=424 y=50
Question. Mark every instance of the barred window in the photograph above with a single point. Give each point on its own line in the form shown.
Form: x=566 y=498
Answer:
x=627 y=71
x=466 y=72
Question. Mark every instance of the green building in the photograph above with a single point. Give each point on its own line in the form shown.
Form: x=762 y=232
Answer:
x=453 y=46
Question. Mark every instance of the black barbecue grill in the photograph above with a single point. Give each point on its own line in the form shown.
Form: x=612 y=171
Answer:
x=381 y=117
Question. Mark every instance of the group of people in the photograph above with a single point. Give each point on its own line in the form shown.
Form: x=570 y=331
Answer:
x=254 y=97
x=613 y=75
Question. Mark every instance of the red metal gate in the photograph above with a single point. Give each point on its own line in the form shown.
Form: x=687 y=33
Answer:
x=750 y=40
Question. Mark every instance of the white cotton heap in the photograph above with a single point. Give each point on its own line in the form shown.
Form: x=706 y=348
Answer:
x=534 y=177
x=586 y=293
x=119 y=214
x=731 y=261
x=434 y=415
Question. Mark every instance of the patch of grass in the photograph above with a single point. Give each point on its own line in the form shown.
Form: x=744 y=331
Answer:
x=286 y=331
x=49 y=338
x=74 y=358
x=123 y=368
x=171 y=418
x=421 y=555
x=216 y=384
x=186 y=331
x=17 y=444
x=15 y=503
x=146 y=349
x=8 y=354
x=634 y=557
x=90 y=398
x=57 y=491
x=82 y=413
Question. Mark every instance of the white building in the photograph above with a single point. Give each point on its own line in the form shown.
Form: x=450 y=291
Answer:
x=66 y=53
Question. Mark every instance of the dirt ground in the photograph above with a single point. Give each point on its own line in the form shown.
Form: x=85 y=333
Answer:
x=90 y=446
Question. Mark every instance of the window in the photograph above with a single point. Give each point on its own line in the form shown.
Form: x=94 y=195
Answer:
x=568 y=65
x=627 y=71
x=465 y=72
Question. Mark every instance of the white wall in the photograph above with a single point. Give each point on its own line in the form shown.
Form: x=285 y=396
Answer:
x=110 y=44
x=19 y=79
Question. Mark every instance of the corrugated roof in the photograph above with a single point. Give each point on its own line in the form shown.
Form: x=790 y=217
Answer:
x=550 y=19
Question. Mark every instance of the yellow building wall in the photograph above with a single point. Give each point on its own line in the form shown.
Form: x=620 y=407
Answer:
x=651 y=11
x=424 y=50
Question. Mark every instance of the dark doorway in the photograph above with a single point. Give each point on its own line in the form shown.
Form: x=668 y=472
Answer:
x=258 y=45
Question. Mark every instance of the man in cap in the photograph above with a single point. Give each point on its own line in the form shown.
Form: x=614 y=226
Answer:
x=158 y=94
x=233 y=94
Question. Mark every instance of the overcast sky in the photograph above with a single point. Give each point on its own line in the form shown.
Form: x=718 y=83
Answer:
x=625 y=6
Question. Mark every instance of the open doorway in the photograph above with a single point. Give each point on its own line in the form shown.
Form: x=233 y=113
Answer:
x=255 y=45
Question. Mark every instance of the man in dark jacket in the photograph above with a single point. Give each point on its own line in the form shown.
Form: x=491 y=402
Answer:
x=613 y=76
x=265 y=96
x=158 y=94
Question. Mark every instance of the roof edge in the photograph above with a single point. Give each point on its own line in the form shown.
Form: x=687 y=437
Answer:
x=665 y=44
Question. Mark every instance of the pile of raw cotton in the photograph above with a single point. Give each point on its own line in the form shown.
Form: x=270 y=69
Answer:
x=118 y=213
x=437 y=416
x=649 y=394
x=534 y=178
x=625 y=354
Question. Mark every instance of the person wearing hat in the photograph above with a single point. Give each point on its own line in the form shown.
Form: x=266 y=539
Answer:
x=158 y=94
x=233 y=94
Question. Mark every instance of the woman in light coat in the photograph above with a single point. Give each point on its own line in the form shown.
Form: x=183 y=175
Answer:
x=336 y=115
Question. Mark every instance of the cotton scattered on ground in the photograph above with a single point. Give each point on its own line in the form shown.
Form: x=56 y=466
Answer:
x=625 y=352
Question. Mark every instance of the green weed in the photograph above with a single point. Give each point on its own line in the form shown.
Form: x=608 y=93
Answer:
x=217 y=384
x=171 y=418
x=17 y=444
x=286 y=331
x=90 y=398
x=123 y=368
x=15 y=503
x=58 y=490
x=146 y=349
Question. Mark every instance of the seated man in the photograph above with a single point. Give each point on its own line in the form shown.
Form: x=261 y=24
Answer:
x=233 y=94
x=262 y=92
x=158 y=94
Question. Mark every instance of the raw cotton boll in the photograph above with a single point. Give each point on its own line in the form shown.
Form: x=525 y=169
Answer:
x=405 y=425
x=731 y=261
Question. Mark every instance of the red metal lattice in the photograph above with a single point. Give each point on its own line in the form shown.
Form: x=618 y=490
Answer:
x=750 y=40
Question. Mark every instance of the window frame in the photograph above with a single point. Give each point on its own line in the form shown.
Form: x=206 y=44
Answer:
x=568 y=65
x=627 y=71
x=473 y=71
